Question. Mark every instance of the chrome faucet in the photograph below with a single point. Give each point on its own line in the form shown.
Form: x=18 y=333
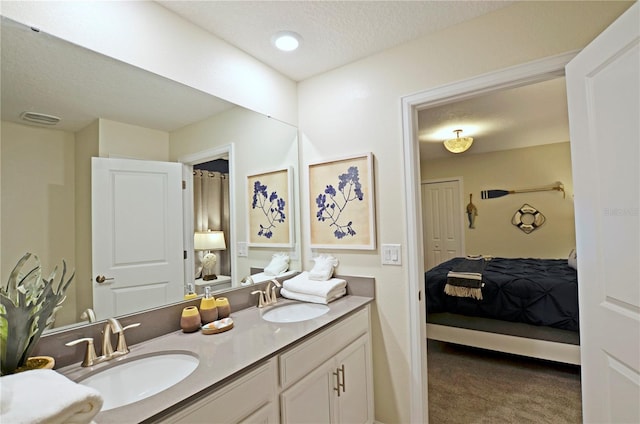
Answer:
x=111 y=326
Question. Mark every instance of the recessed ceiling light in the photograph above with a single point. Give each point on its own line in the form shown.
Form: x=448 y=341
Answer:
x=286 y=41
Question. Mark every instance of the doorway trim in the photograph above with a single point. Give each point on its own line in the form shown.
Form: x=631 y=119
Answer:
x=515 y=76
x=188 y=161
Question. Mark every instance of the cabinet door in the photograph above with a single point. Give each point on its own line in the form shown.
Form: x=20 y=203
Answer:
x=250 y=396
x=311 y=399
x=268 y=414
x=355 y=403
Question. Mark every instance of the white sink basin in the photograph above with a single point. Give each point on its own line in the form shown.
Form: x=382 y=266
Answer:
x=134 y=380
x=295 y=312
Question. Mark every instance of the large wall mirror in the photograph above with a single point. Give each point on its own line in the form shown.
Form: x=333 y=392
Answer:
x=112 y=110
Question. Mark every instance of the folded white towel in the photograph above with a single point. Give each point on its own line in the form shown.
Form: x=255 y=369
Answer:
x=311 y=298
x=302 y=284
x=46 y=396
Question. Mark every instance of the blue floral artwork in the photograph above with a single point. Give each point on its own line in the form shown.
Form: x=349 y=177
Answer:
x=331 y=204
x=271 y=205
x=341 y=206
x=269 y=222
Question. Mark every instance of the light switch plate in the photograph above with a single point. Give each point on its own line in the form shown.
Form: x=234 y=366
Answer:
x=391 y=254
x=242 y=249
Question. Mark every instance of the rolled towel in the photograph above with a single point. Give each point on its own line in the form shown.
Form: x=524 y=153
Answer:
x=46 y=396
x=311 y=298
x=325 y=289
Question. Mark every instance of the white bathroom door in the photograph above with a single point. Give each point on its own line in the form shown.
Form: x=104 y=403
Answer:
x=441 y=221
x=603 y=88
x=136 y=235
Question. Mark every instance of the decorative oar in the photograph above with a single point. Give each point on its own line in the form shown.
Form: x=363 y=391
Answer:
x=492 y=194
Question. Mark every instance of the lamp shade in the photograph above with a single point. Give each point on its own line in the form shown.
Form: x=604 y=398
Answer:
x=209 y=240
x=458 y=144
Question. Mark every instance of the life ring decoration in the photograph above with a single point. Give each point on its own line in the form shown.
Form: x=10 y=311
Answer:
x=528 y=218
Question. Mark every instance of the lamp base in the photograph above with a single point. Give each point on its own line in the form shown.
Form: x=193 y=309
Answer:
x=209 y=277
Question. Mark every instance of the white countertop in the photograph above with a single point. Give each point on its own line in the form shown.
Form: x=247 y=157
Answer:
x=221 y=355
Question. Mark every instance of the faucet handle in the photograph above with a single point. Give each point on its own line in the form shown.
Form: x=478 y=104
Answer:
x=261 y=299
x=90 y=354
x=122 y=347
x=276 y=282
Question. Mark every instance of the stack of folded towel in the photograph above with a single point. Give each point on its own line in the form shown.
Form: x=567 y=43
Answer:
x=303 y=288
x=45 y=396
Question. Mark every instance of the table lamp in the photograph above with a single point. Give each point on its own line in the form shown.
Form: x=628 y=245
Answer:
x=209 y=241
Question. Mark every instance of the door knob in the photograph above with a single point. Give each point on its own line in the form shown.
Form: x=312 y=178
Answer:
x=101 y=279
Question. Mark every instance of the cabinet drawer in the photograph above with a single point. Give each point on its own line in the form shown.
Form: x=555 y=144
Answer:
x=233 y=402
x=309 y=354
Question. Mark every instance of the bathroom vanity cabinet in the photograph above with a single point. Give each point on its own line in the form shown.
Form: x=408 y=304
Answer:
x=325 y=378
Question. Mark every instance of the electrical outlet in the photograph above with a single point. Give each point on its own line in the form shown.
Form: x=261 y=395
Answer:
x=391 y=254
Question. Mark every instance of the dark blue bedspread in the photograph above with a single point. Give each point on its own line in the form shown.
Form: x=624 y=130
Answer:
x=533 y=291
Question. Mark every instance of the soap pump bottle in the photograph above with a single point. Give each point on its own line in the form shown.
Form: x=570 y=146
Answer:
x=190 y=293
x=208 y=307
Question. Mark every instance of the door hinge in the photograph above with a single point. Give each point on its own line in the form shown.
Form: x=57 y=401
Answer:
x=184 y=185
x=184 y=254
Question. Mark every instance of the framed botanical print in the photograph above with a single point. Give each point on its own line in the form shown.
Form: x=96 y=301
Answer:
x=270 y=219
x=341 y=201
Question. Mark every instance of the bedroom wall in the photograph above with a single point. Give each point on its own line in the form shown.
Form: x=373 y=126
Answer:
x=514 y=169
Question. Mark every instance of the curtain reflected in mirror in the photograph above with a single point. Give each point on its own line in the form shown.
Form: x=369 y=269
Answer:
x=211 y=213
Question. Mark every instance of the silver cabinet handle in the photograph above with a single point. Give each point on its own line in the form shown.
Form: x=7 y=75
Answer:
x=337 y=375
x=101 y=279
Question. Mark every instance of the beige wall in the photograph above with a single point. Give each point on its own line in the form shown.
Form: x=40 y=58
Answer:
x=356 y=108
x=514 y=169
x=120 y=140
x=87 y=146
x=46 y=195
x=38 y=197
x=261 y=144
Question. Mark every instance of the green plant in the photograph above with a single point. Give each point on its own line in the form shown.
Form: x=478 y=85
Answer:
x=27 y=303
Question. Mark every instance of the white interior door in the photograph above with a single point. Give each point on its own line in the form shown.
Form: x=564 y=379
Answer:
x=137 y=235
x=603 y=87
x=441 y=221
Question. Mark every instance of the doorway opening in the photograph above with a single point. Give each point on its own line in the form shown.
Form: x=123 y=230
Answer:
x=521 y=75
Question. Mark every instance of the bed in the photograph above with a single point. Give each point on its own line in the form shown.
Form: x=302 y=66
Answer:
x=527 y=307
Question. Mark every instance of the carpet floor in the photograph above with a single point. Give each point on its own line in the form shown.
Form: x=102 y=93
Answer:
x=468 y=385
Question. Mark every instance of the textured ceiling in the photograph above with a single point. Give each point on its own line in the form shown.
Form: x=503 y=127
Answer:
x=41 y=73
x=334 y=32
x=519 y=117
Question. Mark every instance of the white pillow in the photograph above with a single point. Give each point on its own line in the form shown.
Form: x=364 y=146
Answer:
x=323 y=269
x=279 y=264
x=573 y=259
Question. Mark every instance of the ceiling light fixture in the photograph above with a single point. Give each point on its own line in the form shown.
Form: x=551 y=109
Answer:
x=287 y=41
x=458 y=144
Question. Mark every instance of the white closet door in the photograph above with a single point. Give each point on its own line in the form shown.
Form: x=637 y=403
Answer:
x=441 y=221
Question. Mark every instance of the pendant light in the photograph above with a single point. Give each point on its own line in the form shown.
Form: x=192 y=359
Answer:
x=458 y=144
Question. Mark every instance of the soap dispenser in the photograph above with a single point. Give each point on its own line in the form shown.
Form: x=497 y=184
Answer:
x=190 y=293
x=208 y=307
